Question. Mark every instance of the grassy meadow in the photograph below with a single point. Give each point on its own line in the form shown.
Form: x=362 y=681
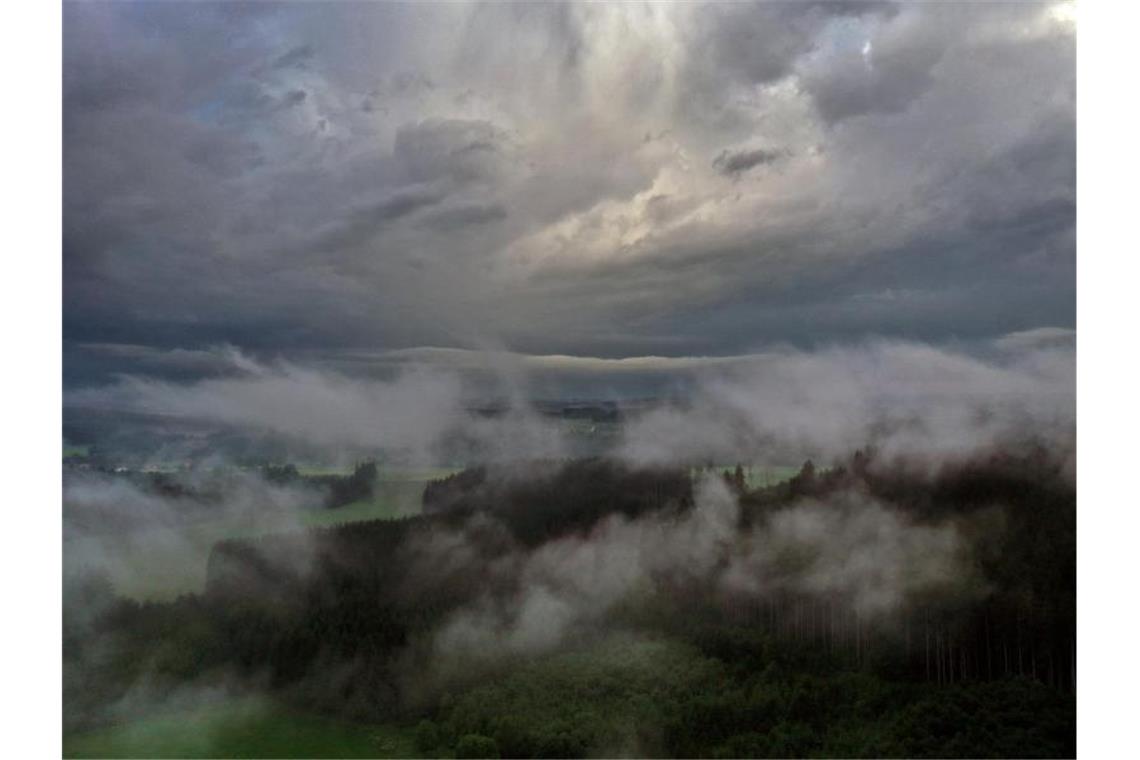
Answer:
x=756 y=476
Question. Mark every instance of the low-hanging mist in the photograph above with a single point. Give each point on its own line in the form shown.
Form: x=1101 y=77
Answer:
x=778 y=407
x=904 y=398
x=867 y=557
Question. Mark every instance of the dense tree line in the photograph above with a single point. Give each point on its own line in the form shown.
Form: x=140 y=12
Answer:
x=1025 y=625
x=546 y=500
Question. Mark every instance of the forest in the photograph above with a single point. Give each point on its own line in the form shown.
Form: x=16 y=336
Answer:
x=873 y=607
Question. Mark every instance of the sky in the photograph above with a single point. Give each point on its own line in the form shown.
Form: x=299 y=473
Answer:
x=356 y=184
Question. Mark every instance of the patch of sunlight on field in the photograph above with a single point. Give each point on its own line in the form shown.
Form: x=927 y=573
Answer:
x=423 y=474
x=77 y=450
x=757 y=476
x=393 y=499
x=241 y=728
x=419 y=473
x=314 y=470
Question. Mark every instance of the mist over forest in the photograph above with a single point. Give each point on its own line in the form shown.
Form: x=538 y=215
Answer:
x=892 y=522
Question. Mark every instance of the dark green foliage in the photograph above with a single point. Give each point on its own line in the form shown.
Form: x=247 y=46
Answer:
x=665 y=698
x=476 y=746
x=1009 y=718
x=603 y=699
x=281 y=474
x=427 y=736
x=804 y=483
x=345 y=489
x=549 y=500
x=453 y=491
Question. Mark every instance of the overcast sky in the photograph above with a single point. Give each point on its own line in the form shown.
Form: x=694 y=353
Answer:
x=598 y=180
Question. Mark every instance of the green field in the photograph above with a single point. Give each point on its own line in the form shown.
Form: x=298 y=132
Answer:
x=72 y=450
x=240 y=728
x=402 y=474
x=758 y=476
x=393 y=498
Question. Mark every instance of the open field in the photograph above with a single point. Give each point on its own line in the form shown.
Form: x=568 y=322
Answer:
x=393 y=498
x=398 y=475
x=758 y=476
x=240 y=728
x=398 y=493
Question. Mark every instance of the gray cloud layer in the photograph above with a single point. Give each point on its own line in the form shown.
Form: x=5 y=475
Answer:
x=710 y=178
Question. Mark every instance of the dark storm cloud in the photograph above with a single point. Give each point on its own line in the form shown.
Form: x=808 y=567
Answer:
x=283 y=177
x=733 y=163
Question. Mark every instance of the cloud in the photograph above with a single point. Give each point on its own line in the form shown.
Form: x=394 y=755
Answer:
x=578 y=579
x=862 y=556
x=855 y=549
x=759 y=43
x=294 y=57
x=933 y=148
x=364 y=222
x=294 y=98
x=781 y=405
x=460 y=217
x=413 y=416
x=891 y=69
x=461 y=149
x=735 y=163
x=153 y=543
x=1041 y=337
x=295 y=401
x=908 y=400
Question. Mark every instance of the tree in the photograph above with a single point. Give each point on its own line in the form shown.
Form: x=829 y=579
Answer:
x=476 y=746
x=804 y=482
x=427 y=736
